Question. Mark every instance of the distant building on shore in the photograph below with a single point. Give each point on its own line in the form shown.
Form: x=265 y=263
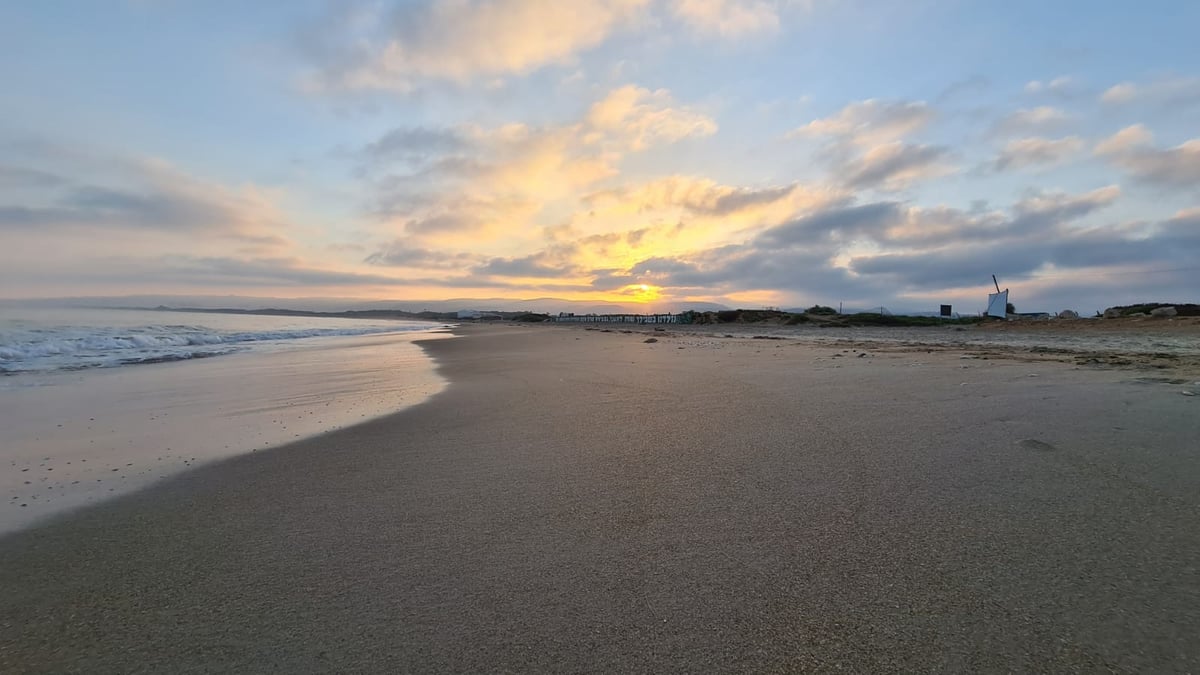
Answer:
x=570 y=317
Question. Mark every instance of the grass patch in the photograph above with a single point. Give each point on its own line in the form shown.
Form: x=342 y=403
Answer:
x=871 y=319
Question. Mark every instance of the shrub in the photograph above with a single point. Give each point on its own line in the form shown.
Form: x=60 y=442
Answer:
x=1183 y=309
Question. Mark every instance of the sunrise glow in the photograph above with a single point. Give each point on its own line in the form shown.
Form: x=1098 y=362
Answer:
x=646 y=152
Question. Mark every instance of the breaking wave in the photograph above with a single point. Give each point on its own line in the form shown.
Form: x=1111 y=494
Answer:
x=31 y=349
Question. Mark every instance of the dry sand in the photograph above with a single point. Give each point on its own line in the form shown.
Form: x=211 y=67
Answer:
x=580 y=501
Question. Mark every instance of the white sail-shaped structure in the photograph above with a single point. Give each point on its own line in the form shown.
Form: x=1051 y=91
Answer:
x=998 y=304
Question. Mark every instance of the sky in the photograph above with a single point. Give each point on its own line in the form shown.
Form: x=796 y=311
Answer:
x=653 y=153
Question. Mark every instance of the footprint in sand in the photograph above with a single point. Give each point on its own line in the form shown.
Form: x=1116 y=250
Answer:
x=1032 y=444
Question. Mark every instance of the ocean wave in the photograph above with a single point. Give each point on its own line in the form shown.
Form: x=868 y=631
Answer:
x=178 y=356
x=76 y=348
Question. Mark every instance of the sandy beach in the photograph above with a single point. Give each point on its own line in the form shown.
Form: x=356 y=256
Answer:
x=70 y=438
x=587 y=501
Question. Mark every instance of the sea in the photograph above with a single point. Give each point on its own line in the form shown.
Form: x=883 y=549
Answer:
x=96 y=403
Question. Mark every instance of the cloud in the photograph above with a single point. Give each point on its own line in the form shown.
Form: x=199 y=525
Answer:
x=1036 y=151
x=485 y=181
x=793 y=256
x=870 y=122
x=1132 y=149
x=808 y=239
x=1170 y=91
x=727 y=19
x=275 y=271
x=1119 y=93
x=893 y=166
x=949 y=268
x=1069 y=254
x=462 y=40
x=1041 y=229
x=554 y=263
x=1041 y=211
x=401 y=254
x=493 y=178
x=415 y=146
x=138 y=194
x=875 y=252
x=864 y=145
x=1060 y=86
x=1037 y=214
x=1130 y=138
x=107 y=272
x=747 y=267
x=400 y=46
x=1026 y=120
x=967 y=86
x=16 y=177
x=641 y=118
x=836 y=224
x=705 y=197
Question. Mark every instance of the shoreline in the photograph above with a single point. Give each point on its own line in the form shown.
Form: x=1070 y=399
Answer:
x=77 y=438
x=585 y=501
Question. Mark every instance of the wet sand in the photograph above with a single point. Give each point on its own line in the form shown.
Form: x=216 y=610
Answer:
x=72 y=438
x=584 y=501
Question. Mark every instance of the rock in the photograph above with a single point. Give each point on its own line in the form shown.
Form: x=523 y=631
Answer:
x=650 y=340
x=1068 y=314
x=1112 y=313
x=1164 y=311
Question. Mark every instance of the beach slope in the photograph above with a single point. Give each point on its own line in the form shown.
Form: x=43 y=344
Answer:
x=583 y=501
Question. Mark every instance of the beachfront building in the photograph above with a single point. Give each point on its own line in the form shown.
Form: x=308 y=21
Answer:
x=565 y=317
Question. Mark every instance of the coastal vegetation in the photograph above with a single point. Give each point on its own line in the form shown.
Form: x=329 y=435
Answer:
x=1147 y=308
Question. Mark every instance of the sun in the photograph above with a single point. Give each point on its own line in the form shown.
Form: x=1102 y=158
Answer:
x=642 y=293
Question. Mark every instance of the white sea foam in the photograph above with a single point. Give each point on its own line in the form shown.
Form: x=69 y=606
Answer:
x=104 y=340
x=73 y=437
